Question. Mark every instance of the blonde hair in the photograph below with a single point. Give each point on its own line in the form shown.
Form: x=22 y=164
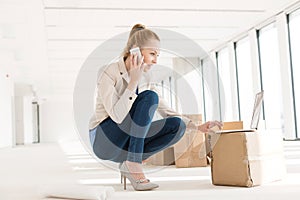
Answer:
x=139 y=36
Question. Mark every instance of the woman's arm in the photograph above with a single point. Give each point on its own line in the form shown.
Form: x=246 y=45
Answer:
x=117 y=106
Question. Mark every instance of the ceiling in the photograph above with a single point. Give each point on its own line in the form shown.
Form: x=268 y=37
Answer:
x=209 y=23
x=74 y=28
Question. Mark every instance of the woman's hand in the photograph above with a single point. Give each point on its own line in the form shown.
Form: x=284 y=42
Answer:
x=206 y=126
x=136 y=68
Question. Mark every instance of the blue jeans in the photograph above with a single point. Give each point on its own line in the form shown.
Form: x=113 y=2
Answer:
x=137 y=137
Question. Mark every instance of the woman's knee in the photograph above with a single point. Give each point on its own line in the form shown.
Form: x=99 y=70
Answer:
x=179 y=125
x=150 y=95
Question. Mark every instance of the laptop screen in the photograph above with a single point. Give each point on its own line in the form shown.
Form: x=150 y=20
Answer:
x=256 y=110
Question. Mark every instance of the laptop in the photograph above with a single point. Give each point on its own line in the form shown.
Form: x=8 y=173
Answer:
x=255 y=116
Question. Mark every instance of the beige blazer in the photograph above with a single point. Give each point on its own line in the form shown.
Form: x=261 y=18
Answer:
x=114 y=100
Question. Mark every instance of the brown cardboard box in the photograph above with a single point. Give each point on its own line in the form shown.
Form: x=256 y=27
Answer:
x=247 y=159
x=165 y=157
x=211 y=139
x=190 y=150
x=233 y=125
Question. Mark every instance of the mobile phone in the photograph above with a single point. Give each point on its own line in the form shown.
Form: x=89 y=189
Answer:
x=137 y=51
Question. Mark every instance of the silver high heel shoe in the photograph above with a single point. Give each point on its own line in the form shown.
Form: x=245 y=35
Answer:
x=140 y=184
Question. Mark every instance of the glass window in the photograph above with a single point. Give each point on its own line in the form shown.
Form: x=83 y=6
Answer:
x=271 y=79
x=162 y=89
x=194 y=81
x=166 y=91
x=245 y=80
x=189 y=91
x=294 y=27
x=210 y=88
x=227 y=78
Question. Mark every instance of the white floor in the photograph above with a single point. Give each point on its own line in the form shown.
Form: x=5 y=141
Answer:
x=26 y=171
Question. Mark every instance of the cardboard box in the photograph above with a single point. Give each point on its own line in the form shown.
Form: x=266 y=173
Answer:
x=165 y=157
x=233 y=125
x=247 y=159
x=211 y=139
x=190 y=151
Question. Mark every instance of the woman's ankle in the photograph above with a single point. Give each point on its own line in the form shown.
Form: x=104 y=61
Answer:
x=135 y=169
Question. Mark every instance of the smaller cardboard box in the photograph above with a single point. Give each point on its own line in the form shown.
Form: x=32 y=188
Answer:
x=247 y=159
x=165 y=157
x=190 y=151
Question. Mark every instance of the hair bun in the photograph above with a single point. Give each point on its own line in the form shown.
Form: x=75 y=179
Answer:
x=136 y=28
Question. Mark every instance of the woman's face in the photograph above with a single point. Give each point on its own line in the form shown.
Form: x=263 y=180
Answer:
x=150 y=53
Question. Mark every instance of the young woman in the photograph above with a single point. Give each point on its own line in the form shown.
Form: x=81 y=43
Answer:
x=121 y=128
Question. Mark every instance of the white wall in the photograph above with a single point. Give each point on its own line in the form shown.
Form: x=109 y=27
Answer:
x=28 y=121
x=57 y=121
x=6 y=108
x=19 y=122
x=23 y=47
x=23 y=96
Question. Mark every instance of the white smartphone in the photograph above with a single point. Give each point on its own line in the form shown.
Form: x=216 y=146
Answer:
x=136 y=50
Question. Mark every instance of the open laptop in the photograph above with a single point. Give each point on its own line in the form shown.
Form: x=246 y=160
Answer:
x=255 y=116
